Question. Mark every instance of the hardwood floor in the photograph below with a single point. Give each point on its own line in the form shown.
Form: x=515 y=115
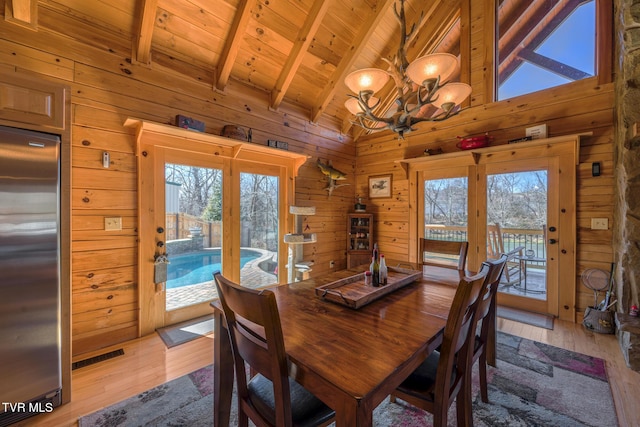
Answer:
x=148 y=363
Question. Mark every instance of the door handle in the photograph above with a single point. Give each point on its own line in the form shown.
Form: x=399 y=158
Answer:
x=552 y=241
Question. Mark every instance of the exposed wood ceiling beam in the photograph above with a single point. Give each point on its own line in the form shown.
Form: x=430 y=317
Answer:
x=510 y=14
x=511 y=38
x=294 y=59
x=23 y=12
x=552 y=65
x=232 y=43
x=347 y=61
x=142 y=43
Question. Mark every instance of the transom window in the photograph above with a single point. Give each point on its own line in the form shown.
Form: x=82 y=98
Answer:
x=543 y=44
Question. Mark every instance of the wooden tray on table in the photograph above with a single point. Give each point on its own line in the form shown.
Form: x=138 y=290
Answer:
x=352 y=292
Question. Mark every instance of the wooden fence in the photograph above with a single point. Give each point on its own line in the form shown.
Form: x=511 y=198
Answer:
x=183 y=226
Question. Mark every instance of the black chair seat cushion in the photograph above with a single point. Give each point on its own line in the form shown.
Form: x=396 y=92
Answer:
x=423 y=379
x=306 y=409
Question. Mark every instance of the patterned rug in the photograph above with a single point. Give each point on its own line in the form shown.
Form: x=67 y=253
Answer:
x=534 y=385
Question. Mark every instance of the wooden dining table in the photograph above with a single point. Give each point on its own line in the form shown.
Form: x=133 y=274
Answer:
x=351 y=359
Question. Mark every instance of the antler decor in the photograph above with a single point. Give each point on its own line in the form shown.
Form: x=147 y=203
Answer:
x=417 y=83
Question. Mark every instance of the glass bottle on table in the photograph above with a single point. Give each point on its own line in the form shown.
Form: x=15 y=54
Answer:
x=376 y=253
x=384 y=274
x=374 y=268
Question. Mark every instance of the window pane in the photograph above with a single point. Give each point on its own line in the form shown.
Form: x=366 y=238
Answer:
x=516 y=224
x=445 y=209
x=259 y=195
x=544 y=43
x=193 y=207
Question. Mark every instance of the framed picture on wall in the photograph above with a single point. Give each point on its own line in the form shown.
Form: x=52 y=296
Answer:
x=380 y=186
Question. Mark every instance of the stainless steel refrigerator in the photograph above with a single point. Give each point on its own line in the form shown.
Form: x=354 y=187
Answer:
x=30 y=329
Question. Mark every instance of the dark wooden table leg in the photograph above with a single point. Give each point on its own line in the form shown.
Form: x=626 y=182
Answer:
x=223 y=373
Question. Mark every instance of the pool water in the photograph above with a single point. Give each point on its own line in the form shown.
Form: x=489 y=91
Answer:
x=198 y=267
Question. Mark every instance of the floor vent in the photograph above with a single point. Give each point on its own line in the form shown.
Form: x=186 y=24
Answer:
x=96 y=359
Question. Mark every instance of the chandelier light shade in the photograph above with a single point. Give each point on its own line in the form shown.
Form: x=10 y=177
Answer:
x=353 y=105
x=451 y=95
x=372 y=79
x=432 y=67
x=419 y=84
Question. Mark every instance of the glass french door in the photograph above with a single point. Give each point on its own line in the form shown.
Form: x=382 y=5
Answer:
x=193 y=233
x=514 y=203
x=259 y=225
x=193 y=230
x=518 y=196
x=206 y=203
x=521 y=206
x=203 y=236
x=517 y=218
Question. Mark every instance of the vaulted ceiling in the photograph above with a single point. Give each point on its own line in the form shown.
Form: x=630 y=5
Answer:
x=297 y=51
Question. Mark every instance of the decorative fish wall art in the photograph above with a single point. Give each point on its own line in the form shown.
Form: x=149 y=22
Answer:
x=332 y=175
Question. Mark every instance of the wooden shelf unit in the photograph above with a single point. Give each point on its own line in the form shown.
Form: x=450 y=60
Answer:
x=359 y=239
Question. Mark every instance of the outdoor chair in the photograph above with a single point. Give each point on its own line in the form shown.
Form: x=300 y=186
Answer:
x=443 y=253
x=271 y=397
x=443 y=377
x=495 y=248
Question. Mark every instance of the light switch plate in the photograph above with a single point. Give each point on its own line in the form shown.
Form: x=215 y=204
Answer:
x=599 y=223
x=113 y=224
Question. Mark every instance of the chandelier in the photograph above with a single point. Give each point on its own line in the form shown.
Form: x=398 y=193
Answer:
x=421 y=86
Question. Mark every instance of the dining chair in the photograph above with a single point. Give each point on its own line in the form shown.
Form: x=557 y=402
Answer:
x=495 y=248
x=484 y=346
x=442 y=377
x=270 y=397
x=443 y=253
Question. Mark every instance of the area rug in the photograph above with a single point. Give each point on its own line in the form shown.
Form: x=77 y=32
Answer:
x=534 y=319
x=534 y=385
x=183 y=332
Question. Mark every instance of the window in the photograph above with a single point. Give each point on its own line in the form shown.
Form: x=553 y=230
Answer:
x=259 y=220
x=543 y=44
x=445 y=209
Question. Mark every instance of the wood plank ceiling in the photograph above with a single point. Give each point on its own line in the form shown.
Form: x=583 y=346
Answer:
x=296 y=51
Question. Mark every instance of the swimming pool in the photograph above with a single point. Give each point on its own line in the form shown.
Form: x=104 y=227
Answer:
x=198 y=267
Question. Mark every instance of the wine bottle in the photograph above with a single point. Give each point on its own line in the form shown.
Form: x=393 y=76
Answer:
x=374 y=267
x=383 y=271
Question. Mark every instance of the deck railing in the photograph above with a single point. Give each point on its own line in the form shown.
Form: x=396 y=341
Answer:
x=531 y=239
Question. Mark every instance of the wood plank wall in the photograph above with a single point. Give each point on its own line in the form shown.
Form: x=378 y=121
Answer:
x=107 y=89
x=584 y=106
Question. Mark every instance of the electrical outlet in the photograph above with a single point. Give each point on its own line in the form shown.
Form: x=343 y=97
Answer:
x=332 y=264
x=599 y=223
x=113 y=224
